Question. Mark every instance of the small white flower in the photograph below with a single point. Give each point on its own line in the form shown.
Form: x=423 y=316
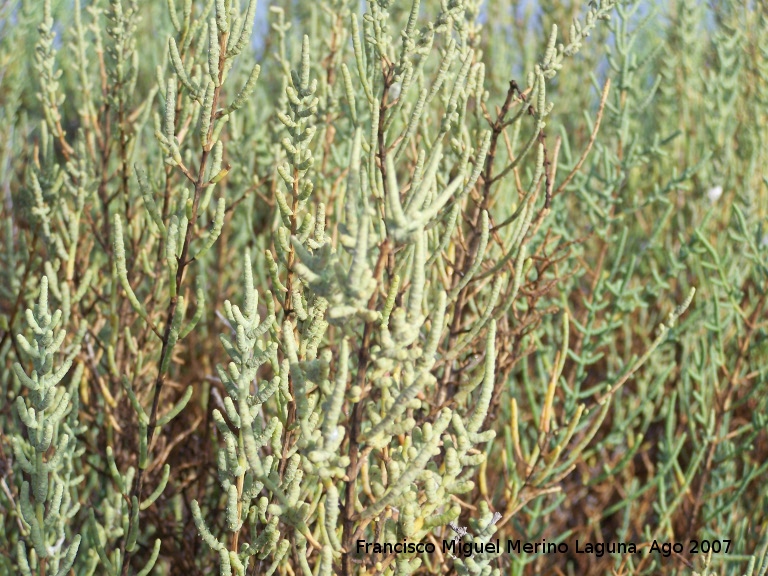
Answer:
x=764 y=241
x=714 y=193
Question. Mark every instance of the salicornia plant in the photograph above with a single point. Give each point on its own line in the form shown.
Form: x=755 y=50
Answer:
x=48 y=499
x=336 y=276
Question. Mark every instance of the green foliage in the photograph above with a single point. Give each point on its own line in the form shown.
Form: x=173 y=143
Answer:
x=409 y=271
x=48 y=500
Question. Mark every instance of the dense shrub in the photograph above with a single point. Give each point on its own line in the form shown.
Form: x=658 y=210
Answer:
x=326 y=273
